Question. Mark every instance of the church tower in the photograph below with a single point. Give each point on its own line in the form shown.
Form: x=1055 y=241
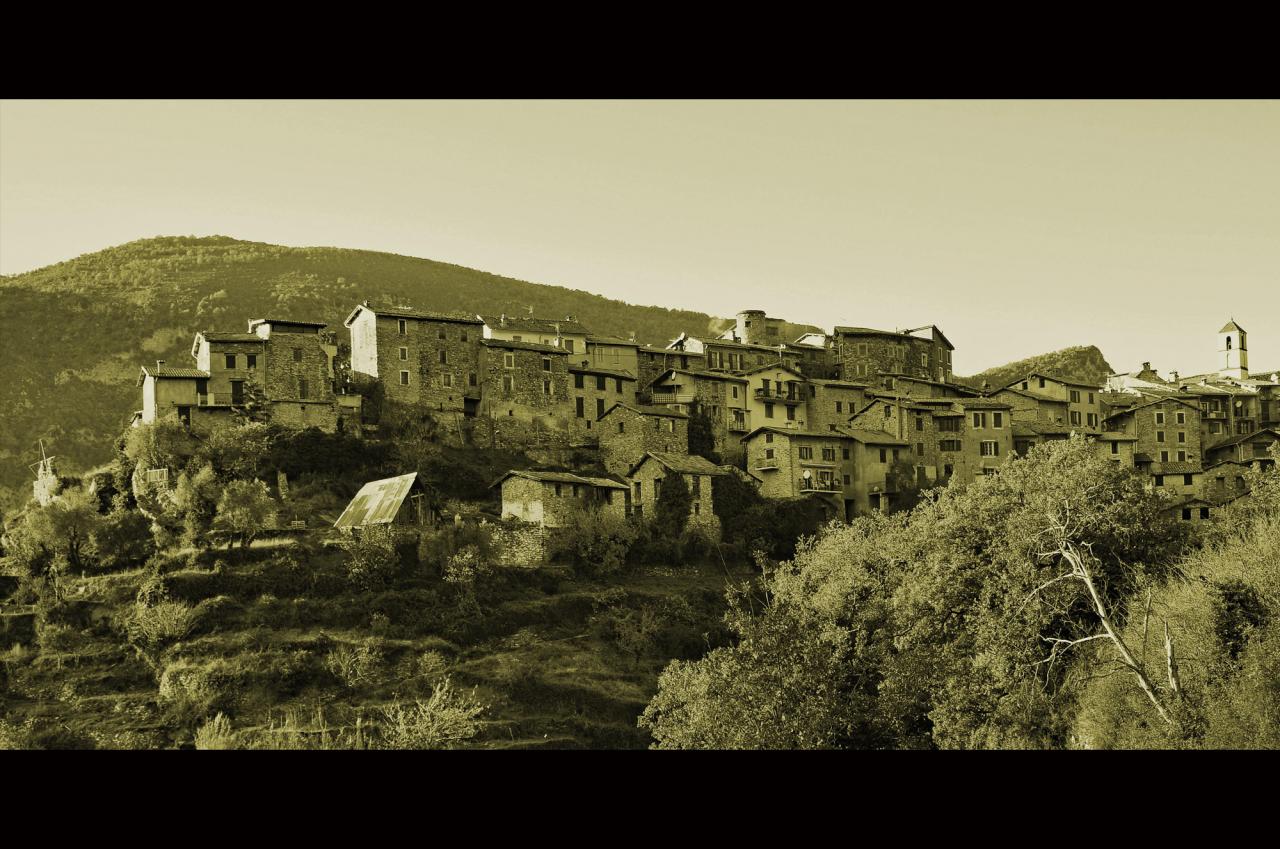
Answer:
x=1233 y=351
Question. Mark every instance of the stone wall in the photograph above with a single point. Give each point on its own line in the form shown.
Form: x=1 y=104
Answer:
x=297 y=367
x=434 y=363
x=518 y=544
x=520 y=382
x=1169 y=435
x=625 y=435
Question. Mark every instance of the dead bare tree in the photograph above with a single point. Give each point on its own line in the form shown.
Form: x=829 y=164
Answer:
x=1080 y=561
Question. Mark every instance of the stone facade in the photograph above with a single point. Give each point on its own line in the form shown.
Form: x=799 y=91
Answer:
x=422 y=358
x=779 y=458
x=862 y=352
x=628 y=432
x=518 y=544
x=549 y=499
x=594 y=390
x=721 y=397
x=527 y=381
x=646 y=480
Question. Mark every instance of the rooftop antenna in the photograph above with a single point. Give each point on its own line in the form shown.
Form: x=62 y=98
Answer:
x=45 y=466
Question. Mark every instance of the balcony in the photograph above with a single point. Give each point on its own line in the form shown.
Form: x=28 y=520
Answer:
x=816 y=485
x=780 y=398
x=1216 y=414
x=218 y=399
x=674 y=397
x=738 y=425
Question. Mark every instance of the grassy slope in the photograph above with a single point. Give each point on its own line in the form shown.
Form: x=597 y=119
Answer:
x=540 y=655
x=73 y=335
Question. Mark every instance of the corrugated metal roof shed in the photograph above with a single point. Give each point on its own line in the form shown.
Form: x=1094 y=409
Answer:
x=378 y=502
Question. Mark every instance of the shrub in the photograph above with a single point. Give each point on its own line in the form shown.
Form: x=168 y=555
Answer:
x=217 y=733
x=354 y=665
x=122 y=540
x=596 y=542
x=443 y=721
x=373 y=561
x=152 y=629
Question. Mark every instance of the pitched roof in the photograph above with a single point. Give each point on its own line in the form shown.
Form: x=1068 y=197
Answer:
x=408 y=312
x=534 y=324
x=169 y=372
x=378 y=502
x=523 y=346
x=982 y=404
x=1176 y=468
x=288 y=321
x=1246 y=438
x=837 y=432
x=559 y=477
x=768 y=366
x=220 y=336
x=873 y=437
x=700 y=375
x=648 y=410
x=1231 y=327
x=608 y=372
x=685 y=464
x=612 y=340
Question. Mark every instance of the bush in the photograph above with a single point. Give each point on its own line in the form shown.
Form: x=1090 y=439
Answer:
x=152 y=629
x=373 y=561
x=596 y=542
x=354 y=665
x=122 y=540
x=443 y=721
x=217 y=733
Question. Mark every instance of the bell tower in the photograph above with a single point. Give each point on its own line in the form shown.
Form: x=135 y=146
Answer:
x=1233 y=351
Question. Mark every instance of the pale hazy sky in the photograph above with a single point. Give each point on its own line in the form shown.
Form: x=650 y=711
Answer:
x=1017 y=226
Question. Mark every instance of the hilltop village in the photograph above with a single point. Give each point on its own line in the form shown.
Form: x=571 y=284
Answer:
x=856 y=417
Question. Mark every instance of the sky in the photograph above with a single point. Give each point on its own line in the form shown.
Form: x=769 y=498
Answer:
x=1018 y=227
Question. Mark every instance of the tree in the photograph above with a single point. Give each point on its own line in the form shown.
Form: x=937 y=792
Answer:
x=122 y=539
x=50 y=541
x=444 y=721
x=702 y=440
x=192 y=505
x=244 y=510
x=671 y=512
x=240 y=451
x=372 y=559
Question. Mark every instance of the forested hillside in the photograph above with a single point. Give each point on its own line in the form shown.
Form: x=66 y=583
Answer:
x=1084 y=363
x=73 y=335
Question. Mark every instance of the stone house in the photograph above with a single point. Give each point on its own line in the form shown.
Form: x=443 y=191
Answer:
x=176 y=394
x=1192 y=509
x=526 y=381
x=1181 y=480
x=832 y=402
x=652 y=362
x=790 y=462
x=646 y=477
x=1224 y=481
x=628 y=431
x=719 y=395
x=563 y=333
x=1252 y=449
x=549 y=499
x=921 y=352
x=298 y=373
x=1080 y=400
x=422 y=358
x=711 y=354
x=1166 y=430
x=594 y=389
x=874 y=453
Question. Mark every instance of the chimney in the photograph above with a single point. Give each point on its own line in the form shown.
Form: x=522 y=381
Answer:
x=1146 y=366
x=1173 y=377
x=502 y=320
x=631 y=336
x=159 y=364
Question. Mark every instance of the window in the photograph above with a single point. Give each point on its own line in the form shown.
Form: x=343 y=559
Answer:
x=440 y=333
x=1075 y=396
x=546 y=387
x=1204 y=512
x=1093 y=420
x=920 y=449
x=829 y=455
x=1159 y=436
x=471 y=379
x=231 y=360
x=577 y=381
x=806 y=452
x=768 y=453
x=1182 y=418
x=599 y=407
x=578 y=408
x=404 y=330
x=575 y=490
x=297 y=355
x=997 y=420
x=920 y=423
x=599 y=381
x=1182 y=456
x=622 y=427
x=791 y=414
x=251 y=361
x=557 y=490
x=568 y=345
x=508 y=384
x=1115 y=447
x=1075 y=417
x=463 y=335
x=844 y=453
x=990 y=448
x=839 y=407
x=617 y=385
x=950 y=424
x=1186 y=514
x=884 y=455
x=444 y=358
x=1182 y=436
x=1186 y=480
x=404 y=353
x=302 y=389
x=735 y=391
x=448 y=380
x=546 y=364
x=895 y=455
x=924 y=360
x=1090 y=397
x=947 y=470
x=979 y=420
x=637 y=492
x=948 y=445
x=1159 y=418
x=671 y=426
x=846 y=480
x=888 y=411
x=768 y=411
x=1159 y=480
x=1164 y=456
x=508 y=360
x=404 y=378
